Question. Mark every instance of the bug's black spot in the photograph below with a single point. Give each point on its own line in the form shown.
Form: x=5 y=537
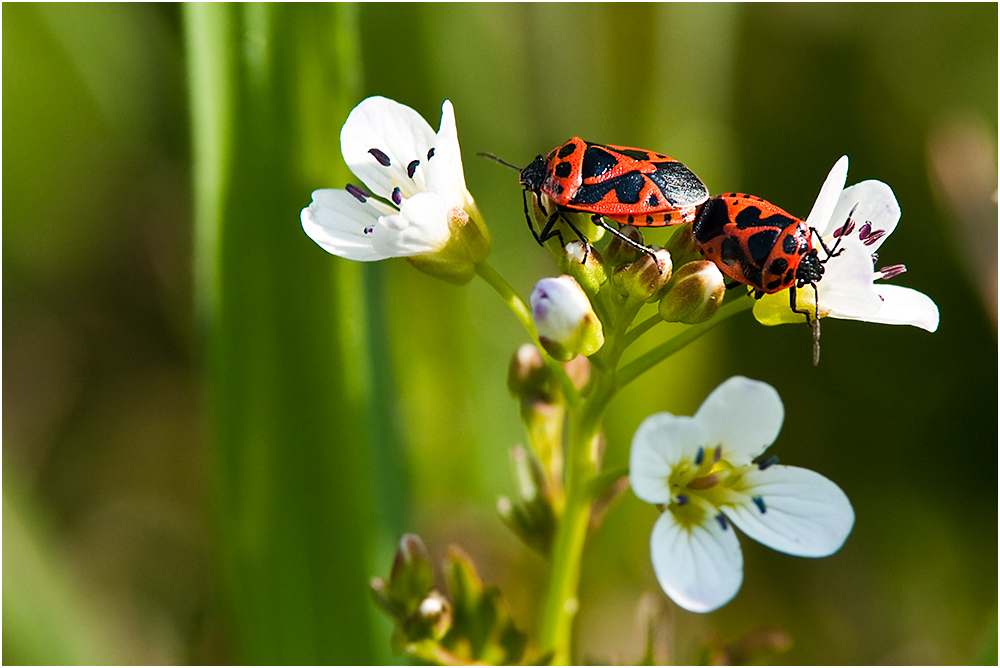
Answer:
x=710 y=219
x=430 y=153
x=382 y=158
x=634 y=153
x=678 y=184
x=790 y=245
x=773 y=285
x=649 y=220
x=597 y=162
x=761 y=243
x=789 y=278
x=627 y=188
x=567 y=150
x=557 y=189
x=563 y=169
x=778 y=266
x=631 y=219
x=411 y=168
x=653 y=201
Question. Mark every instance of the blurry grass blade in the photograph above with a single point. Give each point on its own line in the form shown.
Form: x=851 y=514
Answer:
x=291 y=459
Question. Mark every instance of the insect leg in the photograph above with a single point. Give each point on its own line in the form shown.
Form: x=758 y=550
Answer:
x=599 y=221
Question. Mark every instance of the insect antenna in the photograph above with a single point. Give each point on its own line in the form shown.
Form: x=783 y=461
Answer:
x=483 y=154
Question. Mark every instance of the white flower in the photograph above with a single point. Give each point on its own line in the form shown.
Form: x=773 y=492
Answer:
x=860 y=218
x=423 y=210
x=700 y=468
x=566 y=323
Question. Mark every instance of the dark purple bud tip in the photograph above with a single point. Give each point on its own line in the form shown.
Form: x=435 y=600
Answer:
x=721 y=519
x=759 y=501
x=382 y=158
x=767 y=463
x=892 y=270
x=682 y=499
x=397 y=196
x=700 y=457
x=358 y=193
x=411 y=168
x=430 y=153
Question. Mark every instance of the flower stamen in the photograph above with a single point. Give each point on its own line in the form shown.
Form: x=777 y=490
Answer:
x=411 y=168
x=397 y=196
x=723 y=522
x=759 y=502
x=382 y=158
x=892 y=270
x=359 y=194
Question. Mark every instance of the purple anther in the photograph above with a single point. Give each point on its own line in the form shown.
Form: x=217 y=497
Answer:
x=865 y=230
x=721 y=519
x=369 y=229
x=397 y=196
x=411 y=168
x=848 y=226
x=717 y=455
x=358 y=193
x=682 y=499
x=874 y=236
x=759 y=501
x=700 y=457
x=382 y=158
x=892 y=270
x=430 y=153
x=767 y=463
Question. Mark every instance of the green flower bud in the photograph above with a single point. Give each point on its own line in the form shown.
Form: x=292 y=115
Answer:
x=566 y=323
x=647 y=277
x=681 y=245
x=620 y=252
x=694 y=293
x=584 y=263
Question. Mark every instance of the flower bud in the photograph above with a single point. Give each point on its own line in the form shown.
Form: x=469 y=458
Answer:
x=645 y=278
x=584 y=263
x=694 y=293
x=528 y=376
x=681 y=245
x=432 y=618
x=620 y=252
x=566 y=322
x=469 y=244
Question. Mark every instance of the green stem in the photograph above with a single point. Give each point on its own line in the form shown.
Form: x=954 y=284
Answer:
x=647 y=360
x=640 y=329
x=523 y=314
x=561 y=602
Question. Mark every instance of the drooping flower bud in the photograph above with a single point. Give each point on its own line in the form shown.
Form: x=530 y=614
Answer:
x=694 y=293
x=681 y=245
x=645 y=278
x=566 y=322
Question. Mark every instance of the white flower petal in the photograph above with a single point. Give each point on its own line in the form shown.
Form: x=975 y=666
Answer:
x=742 y=415
x=904 y=306
x=846 y=289
x=445 y=175
x=873 y=208
x=660 y=443
x=395 y=130
x=421 y=226
x=821 y=215
x=338 y=222
x=804 y=514
x=700 y=567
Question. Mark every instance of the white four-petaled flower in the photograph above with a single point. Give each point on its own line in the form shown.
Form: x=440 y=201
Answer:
x=860 y=217
x=701 y=470
x=416 y=204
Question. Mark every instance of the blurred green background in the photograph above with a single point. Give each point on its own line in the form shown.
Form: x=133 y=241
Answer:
x=214 y=432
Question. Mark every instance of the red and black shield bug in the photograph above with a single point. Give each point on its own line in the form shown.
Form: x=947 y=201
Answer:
x=630 y=186
x=755 y=243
